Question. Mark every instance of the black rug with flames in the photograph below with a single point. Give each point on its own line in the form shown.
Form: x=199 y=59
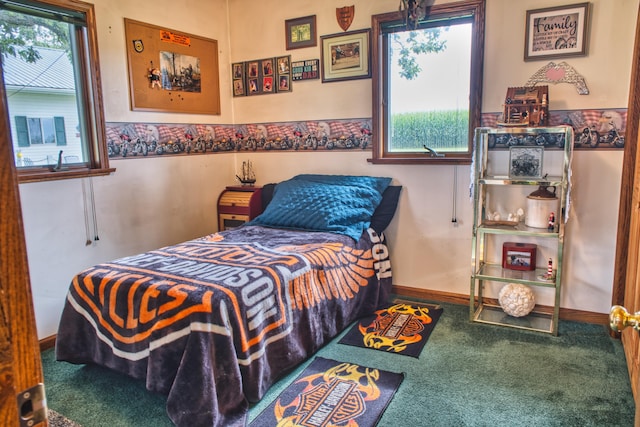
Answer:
x=399 y=328
x=332 y=393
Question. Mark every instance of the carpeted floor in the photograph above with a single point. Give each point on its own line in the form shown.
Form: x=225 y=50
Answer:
x=469 y=374
x=57 y=420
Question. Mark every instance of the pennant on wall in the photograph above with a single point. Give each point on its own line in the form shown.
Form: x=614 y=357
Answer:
x=344 y=15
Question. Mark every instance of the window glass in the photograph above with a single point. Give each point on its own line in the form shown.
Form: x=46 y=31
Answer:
x=440 y=119
x=48 y=130
x=35 y=133
x=427 y=85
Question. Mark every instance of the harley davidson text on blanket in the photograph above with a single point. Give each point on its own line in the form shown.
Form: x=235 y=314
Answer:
x=214 y=322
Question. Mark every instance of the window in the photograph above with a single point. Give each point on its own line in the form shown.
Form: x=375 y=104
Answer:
x=427 y=84
x=49 y=63
x=39 y=130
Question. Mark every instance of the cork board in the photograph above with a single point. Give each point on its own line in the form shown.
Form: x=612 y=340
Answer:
x=171 y=71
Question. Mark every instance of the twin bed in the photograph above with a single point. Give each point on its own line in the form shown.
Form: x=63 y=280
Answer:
x=213 y=322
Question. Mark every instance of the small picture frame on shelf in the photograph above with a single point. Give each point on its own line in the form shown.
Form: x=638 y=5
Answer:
x=525 y=162
x=519 y=256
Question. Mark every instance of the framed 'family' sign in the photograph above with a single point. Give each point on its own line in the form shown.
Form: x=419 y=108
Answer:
x=557 y=32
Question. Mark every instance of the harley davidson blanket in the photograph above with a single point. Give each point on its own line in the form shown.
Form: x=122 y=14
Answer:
x=213 y=322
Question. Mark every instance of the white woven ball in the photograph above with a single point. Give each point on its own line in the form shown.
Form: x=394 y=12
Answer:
x=516 y=300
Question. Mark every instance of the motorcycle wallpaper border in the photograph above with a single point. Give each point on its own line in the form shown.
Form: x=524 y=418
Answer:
x=593 y=128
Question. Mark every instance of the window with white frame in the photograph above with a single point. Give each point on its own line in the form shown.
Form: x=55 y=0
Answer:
x=39 y=130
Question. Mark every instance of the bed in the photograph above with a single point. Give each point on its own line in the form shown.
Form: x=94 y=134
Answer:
x=213 y=322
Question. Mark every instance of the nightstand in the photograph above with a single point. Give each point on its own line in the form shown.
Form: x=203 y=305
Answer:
x=237 y=205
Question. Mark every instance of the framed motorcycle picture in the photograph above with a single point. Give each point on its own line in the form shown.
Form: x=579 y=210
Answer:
x=525 y=162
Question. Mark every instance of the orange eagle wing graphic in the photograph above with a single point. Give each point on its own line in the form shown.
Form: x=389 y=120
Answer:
x=338 y=271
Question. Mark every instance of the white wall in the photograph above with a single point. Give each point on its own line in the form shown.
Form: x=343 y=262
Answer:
x=429 y=251
x=153 y=202
x=145 y=204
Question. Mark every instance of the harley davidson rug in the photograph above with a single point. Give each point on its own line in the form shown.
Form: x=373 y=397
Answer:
x=400 y=328
x=329 y=393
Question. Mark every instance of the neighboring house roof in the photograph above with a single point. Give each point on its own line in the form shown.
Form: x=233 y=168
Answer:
x=52 y=71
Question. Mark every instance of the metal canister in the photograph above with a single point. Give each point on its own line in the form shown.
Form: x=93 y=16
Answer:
x=540 y=204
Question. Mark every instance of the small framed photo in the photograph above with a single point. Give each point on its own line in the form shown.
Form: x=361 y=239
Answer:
x=301 y=32
x=283 y=74
x=238 y=88
x=519 y=256
x=237 y=73
x=284 y=83
x=525 y=162
x=237 y=69
x=345 y=56
x=559 y=31
x=267 y=67
x=284 y=62
x=252 y=69
x=267 y=84
x=253 y=86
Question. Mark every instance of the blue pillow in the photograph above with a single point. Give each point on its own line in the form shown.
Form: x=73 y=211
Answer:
x=334 y=203
x=379 y=183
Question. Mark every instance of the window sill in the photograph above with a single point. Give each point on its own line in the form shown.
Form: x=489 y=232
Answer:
x=41 y=174
x=420 y=161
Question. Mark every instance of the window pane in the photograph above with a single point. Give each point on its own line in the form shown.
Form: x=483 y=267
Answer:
x=39 y=84
x=427 y=84
x=35 y=133
x=48 y=131
x=429 y=103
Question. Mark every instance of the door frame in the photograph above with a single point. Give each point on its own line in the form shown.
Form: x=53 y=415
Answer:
x=20 y=362
x=628 y=174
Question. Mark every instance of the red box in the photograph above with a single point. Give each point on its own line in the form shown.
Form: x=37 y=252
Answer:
x=518 y=256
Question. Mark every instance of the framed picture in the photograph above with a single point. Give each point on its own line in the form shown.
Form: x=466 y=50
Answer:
x=519 y=256
x=252 y=69
x=301 y=32
x=525 y=162
x=238 y=70
x=171 y=71
x=283 y=73
x=345 y=56
x=308 y=69
x=556 y=32
x=237 y=73
x=267 y=67
x=238 y=88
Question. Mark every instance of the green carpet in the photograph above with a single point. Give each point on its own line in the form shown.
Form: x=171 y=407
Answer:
x=469 y=375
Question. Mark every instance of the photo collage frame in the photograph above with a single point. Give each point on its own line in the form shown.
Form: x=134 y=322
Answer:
x=261 y=76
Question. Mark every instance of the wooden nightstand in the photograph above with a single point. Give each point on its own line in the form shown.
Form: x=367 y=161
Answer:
x=237 y=205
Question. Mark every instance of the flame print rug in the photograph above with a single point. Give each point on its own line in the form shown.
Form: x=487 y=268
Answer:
x=329 y=393
x=399 y=328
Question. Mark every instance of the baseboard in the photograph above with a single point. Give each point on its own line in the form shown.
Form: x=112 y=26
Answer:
x=426 y=294
x=47 y=343
x=565 y=313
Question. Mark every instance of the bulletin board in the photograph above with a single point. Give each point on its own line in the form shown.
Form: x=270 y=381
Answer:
x=171 y=71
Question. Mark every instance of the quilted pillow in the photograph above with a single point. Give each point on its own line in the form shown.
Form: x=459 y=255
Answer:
x=333 y=203
x=378 y=183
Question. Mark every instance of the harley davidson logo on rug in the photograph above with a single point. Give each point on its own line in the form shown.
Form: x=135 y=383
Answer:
x=400 y=328
x=330 y=393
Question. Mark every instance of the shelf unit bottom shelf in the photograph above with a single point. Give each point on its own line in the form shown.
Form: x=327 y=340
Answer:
x=494 y=315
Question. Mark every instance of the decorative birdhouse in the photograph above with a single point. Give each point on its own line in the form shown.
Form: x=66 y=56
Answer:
x=526 y=106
